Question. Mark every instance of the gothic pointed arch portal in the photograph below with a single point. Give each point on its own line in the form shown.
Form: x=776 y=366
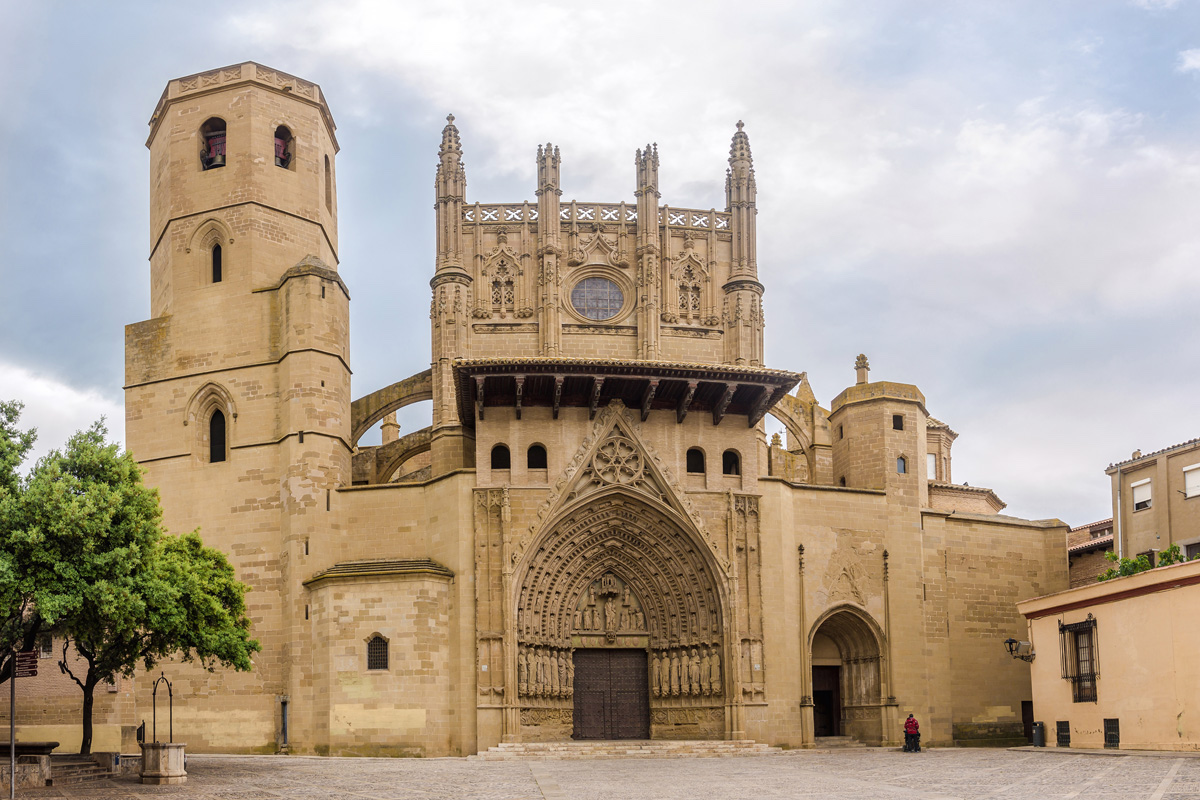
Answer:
x=849 y=673
x=618 y=573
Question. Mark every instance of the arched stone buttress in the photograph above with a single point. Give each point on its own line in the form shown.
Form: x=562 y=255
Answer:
x=619 y=570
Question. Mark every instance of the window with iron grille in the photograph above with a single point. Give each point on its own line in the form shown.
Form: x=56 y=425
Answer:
x=1080 y=658
x=1063 y=733
x=1112 y=733
x=377 y=653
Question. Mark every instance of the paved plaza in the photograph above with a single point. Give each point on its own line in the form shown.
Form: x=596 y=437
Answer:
x=870 y=773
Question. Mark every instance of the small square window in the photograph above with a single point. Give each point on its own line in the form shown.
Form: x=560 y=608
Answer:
x=897 y=422
x=1141 y=495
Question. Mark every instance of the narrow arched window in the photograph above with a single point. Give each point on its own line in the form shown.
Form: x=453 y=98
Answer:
x=328 y=186
x=536 y=457
x=901 y=465
x=216 y=437
x=285 y=147
x=216 y=263
x=695 y=460
x=501 y=458
x=377 y=653
x=212 y=143
x=731 y=463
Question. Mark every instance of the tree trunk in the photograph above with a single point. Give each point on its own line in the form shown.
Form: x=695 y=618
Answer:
x=85 y=747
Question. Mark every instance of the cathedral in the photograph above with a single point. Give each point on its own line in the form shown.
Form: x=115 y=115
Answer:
x=594 y=537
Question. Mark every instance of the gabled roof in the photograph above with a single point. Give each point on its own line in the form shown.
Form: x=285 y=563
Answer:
x=1180 y=446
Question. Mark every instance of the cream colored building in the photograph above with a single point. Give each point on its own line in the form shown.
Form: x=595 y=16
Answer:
x=593 y=537
x=1156 y=501
x=1115 y=662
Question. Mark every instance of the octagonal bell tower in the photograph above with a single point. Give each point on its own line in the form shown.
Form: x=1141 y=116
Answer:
x=238 y=386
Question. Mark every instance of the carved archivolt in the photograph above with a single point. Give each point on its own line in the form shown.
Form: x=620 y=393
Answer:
x=613 y=455
x=662 y=577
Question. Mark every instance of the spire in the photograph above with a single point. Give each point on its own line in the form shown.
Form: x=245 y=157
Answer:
x=450 y=191
x=739 y=150
x=740 y=199
x=450 y=142
x=547 y=165
x=647 y=170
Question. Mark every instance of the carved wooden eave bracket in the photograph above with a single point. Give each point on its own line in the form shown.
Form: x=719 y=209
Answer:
x=613 y=456
x=681 y=388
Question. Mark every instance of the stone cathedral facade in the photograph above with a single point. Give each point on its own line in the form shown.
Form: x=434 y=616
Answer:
x=594 y=537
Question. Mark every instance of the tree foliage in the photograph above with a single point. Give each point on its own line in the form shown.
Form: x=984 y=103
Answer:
x=19 y=621
x=1132 y=566
x=114 y=585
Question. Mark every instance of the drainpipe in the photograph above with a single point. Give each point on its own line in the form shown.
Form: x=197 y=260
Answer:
x=1117 y=521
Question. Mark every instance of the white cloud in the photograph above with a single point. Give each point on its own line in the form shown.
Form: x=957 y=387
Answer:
x=1189 y=60
x=943 y=184
x=57 y=409
x=1156 y=5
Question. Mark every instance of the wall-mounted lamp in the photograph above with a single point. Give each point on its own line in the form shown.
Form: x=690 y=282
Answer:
x=1021 y=650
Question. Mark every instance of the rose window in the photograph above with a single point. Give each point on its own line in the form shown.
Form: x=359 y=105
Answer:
x=617 y=461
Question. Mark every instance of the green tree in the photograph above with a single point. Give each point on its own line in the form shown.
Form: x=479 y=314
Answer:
x=20 y=623
x=123 y=593
x=1124 y=566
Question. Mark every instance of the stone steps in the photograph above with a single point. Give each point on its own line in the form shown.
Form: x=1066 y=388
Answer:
x=836 y=742
x=71 y=770
x=630 y=748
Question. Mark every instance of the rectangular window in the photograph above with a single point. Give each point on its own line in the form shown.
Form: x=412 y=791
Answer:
x=1192 y=551
x=1062 y=731
x=45 y=646
x=1191 y=481
x=931 y=466
x=897 y=422
x=1112 y=733
x=1141 y=495
x=1080 y=658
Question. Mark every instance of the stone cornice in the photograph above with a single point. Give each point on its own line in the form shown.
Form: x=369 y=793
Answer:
x=379 y=569
x=220 y=79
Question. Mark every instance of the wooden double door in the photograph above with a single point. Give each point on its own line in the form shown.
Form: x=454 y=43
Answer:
x=612 y=694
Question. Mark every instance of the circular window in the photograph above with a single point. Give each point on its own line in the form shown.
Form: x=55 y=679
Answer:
x=597 y=298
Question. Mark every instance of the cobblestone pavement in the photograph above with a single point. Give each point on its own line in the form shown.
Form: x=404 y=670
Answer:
x=872 y=773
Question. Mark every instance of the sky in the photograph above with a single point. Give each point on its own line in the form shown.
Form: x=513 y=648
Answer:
x=997 y=202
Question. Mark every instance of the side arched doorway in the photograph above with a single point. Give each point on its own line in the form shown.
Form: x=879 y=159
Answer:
x=619 y=628
x=847 y=674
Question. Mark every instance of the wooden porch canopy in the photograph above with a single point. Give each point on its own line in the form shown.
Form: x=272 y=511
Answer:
x=719 y=389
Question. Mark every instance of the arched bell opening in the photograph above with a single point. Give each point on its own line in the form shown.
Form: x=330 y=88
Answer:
x=847 y=675
x=618 y=614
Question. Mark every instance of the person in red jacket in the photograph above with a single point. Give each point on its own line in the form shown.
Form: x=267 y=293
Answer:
x=912 y=735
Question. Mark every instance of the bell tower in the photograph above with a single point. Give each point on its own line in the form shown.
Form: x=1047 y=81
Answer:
x=238 y=386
